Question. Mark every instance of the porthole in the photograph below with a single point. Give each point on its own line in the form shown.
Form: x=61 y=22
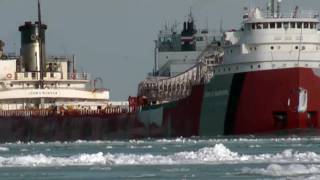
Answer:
x=272 y=48
x=259 y=66
x=28 y=84
x=229 y=69
x=11 y=85
x=297 y=47
x=251 y=67
x=303 y=48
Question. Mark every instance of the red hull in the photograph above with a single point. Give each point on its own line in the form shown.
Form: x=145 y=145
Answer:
x=268 y=95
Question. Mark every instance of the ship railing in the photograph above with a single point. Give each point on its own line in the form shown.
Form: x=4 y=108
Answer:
x=78 y=76
x=180 y=86
x=29 y=76
x=302 y=14
x=63 y=112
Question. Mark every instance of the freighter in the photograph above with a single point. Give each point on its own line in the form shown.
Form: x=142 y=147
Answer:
x=46 y=98
x=261 y=78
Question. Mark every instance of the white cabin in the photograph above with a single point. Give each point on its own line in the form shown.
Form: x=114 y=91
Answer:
x=269 y=41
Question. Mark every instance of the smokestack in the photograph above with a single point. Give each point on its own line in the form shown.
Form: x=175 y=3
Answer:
x=30 y=46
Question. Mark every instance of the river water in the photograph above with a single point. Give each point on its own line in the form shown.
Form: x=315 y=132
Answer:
x=247 y=157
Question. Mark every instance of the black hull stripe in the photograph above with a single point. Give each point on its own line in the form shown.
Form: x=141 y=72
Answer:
x=234 y=97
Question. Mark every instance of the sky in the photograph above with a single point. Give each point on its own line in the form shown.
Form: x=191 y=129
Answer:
x=113 y=39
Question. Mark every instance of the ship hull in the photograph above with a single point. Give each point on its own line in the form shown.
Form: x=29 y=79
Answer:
x=260 y=102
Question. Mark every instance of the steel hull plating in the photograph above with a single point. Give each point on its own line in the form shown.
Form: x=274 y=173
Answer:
x=256 y=102
x=243 y=103
x=263 y=102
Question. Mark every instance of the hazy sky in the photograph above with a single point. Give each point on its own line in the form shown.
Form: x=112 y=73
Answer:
x=113 y=39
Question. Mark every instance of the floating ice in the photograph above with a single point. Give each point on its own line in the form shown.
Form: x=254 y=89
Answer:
x=218 y=154
x=180 y=140
x=4 y=149
x=284 y=170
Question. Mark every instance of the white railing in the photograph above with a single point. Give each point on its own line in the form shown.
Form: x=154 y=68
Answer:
x=308 y=14
x=164 y=89
x=78 y=76
x=34 y=76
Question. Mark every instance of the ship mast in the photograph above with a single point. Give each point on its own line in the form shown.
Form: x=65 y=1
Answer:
x=40 y=40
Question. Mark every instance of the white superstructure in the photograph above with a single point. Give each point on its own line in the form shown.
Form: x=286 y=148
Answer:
x=25 y=85
x=272 y=40
x=176 y=52
x=19 y=89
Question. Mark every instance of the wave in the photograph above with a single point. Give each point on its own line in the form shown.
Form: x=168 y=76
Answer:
x=218 y=154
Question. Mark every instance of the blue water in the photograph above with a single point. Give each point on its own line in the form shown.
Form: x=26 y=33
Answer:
x=193 y=158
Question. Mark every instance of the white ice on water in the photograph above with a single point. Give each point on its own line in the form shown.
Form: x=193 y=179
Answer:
x=4 y=149
x=279 y=170
x=218 y=154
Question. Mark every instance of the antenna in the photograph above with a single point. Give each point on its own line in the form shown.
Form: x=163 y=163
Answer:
x=207 y=22
x=221 y=26
x=191 y=19
x=278 y=8
x=40 y=40
x=272 y=7
x=295 y=12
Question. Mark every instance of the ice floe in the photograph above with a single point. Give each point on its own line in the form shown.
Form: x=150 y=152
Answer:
x=284 y=170
x=218 y=154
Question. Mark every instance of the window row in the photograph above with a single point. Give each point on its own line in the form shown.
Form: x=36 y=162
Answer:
x=281 y=25
x=296 y=47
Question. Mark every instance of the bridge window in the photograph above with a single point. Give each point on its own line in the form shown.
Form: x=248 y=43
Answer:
x=293 y=25
x=259 y=26
x=272 y=25
x=200 y=39
x=299 y=25
x=286 y=25
x=253 y=26
x=279 y=25
x=265 y=25
x=311 y=25
x=305 y=25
